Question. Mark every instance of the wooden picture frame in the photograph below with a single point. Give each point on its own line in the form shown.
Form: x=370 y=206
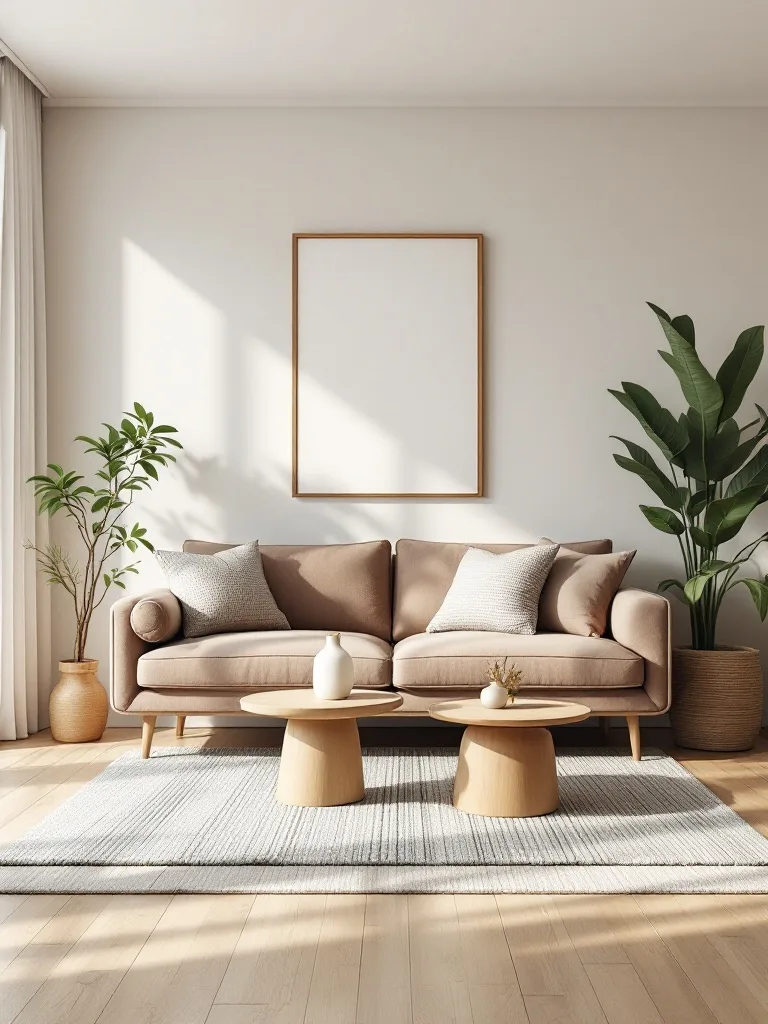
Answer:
x=421 y=306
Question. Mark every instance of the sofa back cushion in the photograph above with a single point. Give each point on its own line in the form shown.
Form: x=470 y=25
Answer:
x=424 y=571
x=341 y=587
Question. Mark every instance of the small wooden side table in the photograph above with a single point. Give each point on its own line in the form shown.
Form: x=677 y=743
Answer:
x=506 y=763
x=321 y=764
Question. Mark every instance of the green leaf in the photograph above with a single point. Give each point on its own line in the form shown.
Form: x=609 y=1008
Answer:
x=700 y=538
x=669 y=434
x=107 y=579
x=99 y=504
x=755 y=472
x=642 y=465
x=759 y=591
x=695 y=588
x=660 y=312
x=698 y=503
x=739 y=369
x=56 y=468
x=726 y=516
x=164 y=429
x=148 y=468
x=720 y=450
x=670 y=585
x=141 y=412
x=684 y=327
x=662 y=519
x=146 y=543
x=701 y=390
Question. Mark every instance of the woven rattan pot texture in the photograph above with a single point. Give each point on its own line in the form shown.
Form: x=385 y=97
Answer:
x=717 y=698
x=78 y=705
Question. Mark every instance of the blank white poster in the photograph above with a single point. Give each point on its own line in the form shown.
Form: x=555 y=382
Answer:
x=387 y=366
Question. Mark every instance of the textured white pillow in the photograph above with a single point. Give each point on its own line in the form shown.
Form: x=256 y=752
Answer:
x=222 y=593
x=497 y=592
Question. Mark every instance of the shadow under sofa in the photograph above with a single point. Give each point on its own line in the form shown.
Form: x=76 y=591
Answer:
x=381 y=604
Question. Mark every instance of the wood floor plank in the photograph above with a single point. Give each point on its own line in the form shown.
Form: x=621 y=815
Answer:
x=27 y=972
x=494 y=991
x=384 y=994
x=9 y=903
x=622 y=995
x=23 y=924
x=549 y=1010
x=674 y=994
x=230 y=1013
x=439 y=988
x=81 y=984
x=721 y=989
x=593 y=925
x=336 y=972
x=274 y=957
x=545 y=958
x=532 y=944
x=176 y=975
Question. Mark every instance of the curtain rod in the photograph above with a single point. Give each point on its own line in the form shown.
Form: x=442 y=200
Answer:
x=8 y=52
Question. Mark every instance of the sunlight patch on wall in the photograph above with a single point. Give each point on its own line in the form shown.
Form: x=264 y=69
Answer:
x=173 y=356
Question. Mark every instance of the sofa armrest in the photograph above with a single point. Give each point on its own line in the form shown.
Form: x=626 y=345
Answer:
x=641 y=622
x=125 y=649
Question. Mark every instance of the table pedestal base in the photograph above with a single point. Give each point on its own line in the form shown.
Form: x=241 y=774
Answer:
x=506 y=773
x=321 y=764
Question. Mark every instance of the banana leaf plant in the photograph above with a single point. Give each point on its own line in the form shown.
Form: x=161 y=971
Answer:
x=716 y=471
x=129 y=457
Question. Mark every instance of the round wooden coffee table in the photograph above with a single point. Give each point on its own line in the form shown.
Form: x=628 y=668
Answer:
x=506 y=763
x=321 y=764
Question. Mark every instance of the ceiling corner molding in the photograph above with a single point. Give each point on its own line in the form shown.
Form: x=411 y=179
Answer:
x=6 y=51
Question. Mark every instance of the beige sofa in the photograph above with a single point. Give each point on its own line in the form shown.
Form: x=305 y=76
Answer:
x=381 y=604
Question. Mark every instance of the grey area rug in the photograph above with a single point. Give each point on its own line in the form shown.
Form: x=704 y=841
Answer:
x=204 y=820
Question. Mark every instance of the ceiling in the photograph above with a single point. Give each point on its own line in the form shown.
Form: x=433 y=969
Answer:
x=395 y=52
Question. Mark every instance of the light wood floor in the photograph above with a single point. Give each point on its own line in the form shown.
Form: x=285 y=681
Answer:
x=372 y=959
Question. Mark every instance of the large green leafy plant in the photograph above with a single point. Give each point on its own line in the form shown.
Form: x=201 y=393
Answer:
x=717 y=471
x=130 y=456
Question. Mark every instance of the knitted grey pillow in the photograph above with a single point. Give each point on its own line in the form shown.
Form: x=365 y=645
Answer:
x=222 y=593
x=497 y=592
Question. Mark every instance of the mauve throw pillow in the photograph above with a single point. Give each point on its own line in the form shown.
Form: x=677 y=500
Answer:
x=579 y=591
x=496 y=592
x=222 y=593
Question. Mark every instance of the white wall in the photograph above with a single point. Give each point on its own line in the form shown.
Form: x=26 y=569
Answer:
x=168 y=245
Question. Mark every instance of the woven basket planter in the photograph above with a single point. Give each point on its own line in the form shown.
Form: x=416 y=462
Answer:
x=78 y=704
x=717 y=698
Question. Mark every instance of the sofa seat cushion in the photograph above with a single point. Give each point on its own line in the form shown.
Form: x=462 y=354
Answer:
x=460 y=659
x=245 y=661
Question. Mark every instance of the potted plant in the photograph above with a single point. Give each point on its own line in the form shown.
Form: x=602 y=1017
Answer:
x=503 y=686
x=129 y=457
x=716 y=476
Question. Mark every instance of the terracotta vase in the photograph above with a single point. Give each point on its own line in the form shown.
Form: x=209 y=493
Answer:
x=717 y=698
x=78 y=704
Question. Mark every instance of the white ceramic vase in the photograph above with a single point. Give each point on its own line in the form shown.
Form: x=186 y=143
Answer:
x=333 y=674
x=494 y=696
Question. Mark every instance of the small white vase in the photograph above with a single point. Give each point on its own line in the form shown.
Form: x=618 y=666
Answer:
x=494 y=696
x=333 y=674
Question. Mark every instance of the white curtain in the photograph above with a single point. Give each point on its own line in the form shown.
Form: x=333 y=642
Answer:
x=25 y=660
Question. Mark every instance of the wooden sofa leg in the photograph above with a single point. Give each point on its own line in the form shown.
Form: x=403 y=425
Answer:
x=147 y=731
x=180 y=720
x=633 y=724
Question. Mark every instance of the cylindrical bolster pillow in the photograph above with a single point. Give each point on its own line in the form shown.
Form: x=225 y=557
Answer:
x=156 y=617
